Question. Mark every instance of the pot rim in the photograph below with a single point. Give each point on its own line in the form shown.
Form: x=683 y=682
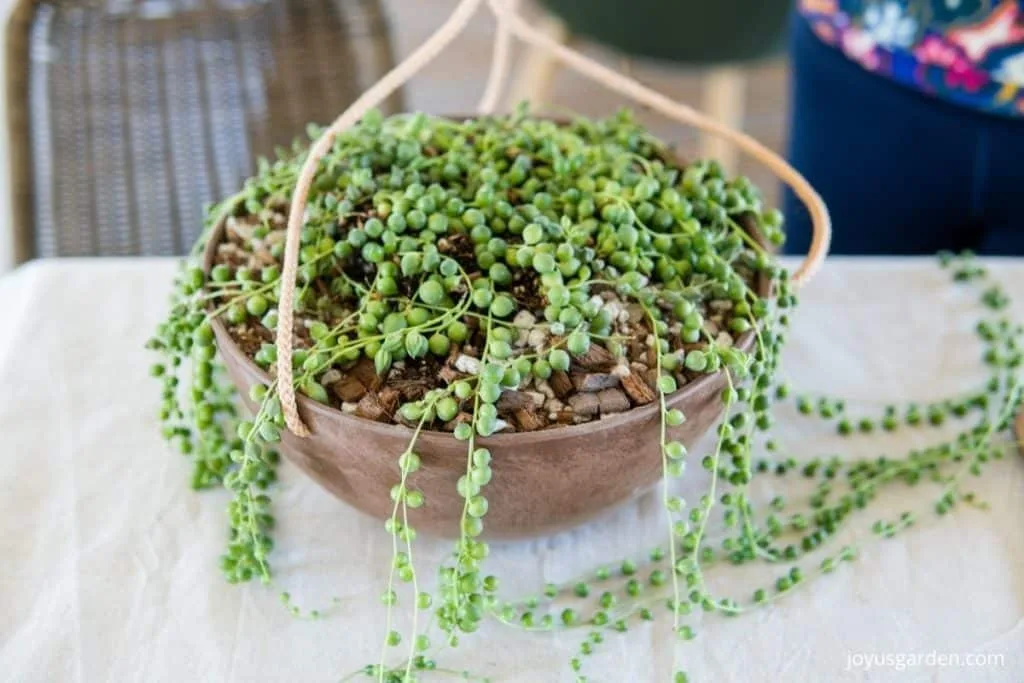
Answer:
x=307 y=405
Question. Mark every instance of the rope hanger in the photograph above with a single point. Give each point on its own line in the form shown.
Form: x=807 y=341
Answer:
x=509 y=24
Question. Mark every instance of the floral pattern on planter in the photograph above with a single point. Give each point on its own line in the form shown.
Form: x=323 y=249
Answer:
x=970 y=52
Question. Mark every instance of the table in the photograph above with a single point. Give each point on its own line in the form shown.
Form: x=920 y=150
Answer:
x=108 y=568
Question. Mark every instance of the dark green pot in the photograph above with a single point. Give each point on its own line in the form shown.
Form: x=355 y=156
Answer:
x=695 y=32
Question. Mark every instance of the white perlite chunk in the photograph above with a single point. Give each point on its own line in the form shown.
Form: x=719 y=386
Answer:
x=537 y=338
x=467 y=364
x=621 y=368
x=330 y=377
x=615 y=310
x=524 y=320
x=544 y=388
x=636 y=312
x=349 y=408
x=537 y=398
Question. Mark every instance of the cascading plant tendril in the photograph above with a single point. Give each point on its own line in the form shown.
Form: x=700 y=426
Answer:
x=514 y=249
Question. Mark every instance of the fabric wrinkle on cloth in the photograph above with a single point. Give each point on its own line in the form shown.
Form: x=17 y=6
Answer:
x=111 y=560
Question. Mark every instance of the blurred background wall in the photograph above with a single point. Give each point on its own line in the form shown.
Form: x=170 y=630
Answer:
x=454 y=81
x=318 y=69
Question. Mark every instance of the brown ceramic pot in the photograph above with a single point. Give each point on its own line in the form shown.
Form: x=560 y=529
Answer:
x=543 y=481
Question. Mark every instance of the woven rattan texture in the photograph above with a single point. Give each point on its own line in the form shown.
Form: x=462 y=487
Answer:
x=142 y=111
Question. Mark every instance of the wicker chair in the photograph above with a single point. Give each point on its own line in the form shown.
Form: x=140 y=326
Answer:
x=127 y=116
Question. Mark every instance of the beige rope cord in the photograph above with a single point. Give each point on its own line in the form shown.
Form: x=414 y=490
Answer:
x=499 y=65
x=509 y=24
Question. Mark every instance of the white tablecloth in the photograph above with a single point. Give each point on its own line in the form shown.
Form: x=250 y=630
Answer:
x=108 y=562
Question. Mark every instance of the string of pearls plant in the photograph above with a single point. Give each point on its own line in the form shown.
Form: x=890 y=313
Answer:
x=424 y=235
x=423 y=238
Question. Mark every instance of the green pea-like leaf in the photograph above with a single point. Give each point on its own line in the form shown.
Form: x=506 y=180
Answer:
x=382 y=360
x=416 y=345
